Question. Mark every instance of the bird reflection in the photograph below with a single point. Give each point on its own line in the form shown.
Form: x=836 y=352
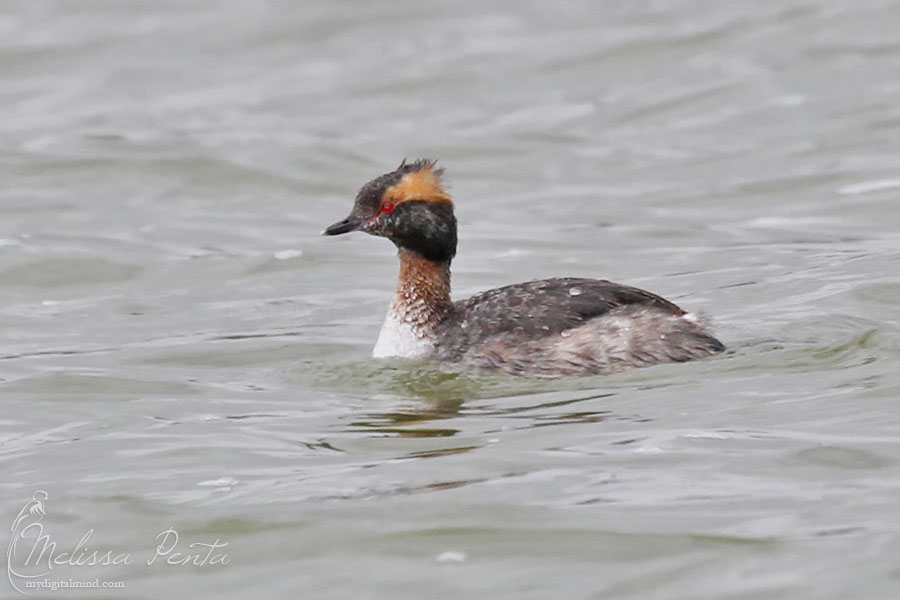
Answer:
x=408 y=422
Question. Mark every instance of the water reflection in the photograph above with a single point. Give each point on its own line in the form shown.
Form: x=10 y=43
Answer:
x=405 y=423
x=420 y=421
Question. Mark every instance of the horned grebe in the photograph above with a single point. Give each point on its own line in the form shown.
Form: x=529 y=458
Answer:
x=559 y=326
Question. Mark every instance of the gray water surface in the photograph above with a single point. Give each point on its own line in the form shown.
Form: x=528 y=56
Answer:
x=181 y=349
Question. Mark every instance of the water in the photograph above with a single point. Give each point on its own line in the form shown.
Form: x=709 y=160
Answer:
x=182 y=350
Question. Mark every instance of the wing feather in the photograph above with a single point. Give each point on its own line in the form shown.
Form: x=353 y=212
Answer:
x=541 y=308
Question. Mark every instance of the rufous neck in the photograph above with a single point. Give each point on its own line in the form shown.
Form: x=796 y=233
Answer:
x=423 y=289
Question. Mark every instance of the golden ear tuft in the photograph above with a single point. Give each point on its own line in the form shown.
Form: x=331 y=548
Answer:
x=422 y=182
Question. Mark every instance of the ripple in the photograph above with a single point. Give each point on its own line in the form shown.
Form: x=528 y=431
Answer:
x=68 y=272
x=867 y=187
x=842 y=457
x=94 y=384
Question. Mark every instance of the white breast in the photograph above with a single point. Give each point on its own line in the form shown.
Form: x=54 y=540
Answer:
x=398 y=338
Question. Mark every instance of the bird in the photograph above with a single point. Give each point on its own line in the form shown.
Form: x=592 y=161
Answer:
x=560 y=326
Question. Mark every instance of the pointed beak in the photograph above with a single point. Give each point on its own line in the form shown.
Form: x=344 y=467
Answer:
x=346 y=226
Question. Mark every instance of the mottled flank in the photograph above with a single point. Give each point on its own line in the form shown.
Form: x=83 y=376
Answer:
x=568 y=327
x=562 y=326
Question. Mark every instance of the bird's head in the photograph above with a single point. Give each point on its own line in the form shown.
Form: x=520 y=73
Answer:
x=410 y=207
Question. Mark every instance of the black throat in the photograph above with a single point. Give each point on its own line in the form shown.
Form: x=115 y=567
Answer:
x=426 y=228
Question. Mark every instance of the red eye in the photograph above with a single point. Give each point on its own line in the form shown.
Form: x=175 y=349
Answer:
x=387 y=206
